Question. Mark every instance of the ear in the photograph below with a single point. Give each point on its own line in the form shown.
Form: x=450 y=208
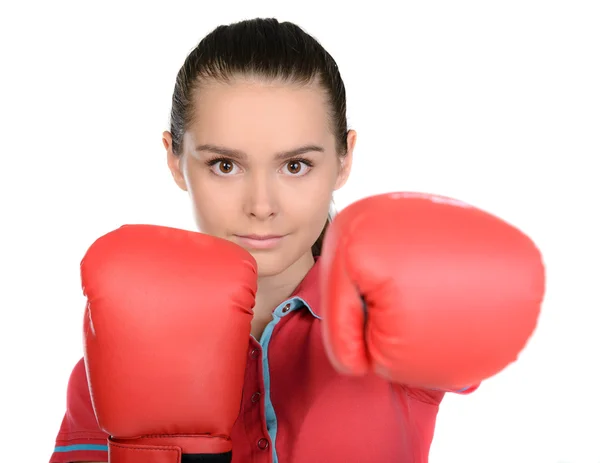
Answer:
x=346 y=161
x=174 y=161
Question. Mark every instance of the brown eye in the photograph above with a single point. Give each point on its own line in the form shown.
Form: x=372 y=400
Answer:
x=294 y=167
x=225 y=167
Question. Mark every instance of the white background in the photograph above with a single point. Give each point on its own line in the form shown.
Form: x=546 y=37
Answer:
x=494 y=103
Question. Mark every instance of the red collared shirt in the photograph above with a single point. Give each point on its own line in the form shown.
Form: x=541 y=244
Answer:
x=295 y=407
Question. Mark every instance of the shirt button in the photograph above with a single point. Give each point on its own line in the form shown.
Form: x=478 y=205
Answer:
x=286 y=309
x=255 y=397
x=254 y=353
x=263 y=444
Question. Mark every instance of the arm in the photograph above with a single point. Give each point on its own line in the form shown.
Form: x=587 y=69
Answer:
x=79 y=438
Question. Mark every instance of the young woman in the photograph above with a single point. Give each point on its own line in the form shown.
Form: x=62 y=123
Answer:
x=258 y=340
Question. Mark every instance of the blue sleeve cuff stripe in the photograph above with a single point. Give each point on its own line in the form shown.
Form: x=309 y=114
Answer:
x=80 y=447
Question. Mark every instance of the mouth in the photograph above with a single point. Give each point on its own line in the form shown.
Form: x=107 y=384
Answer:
x=259 y=241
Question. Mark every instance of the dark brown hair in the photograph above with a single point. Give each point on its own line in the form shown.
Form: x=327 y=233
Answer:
x=264 y=48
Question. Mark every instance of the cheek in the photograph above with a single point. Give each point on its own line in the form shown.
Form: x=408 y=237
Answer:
x=310 y=205
x=215 y=204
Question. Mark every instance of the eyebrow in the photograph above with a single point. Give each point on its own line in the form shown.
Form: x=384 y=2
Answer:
x=222 y=151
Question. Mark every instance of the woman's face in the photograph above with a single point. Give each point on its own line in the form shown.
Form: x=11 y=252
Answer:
x=259 y=162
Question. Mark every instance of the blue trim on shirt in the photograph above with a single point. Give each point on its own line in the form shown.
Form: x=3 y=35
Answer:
x=80 y=447
x=271 y=418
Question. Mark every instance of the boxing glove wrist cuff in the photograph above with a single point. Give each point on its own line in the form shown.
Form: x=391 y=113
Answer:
x=170 y=449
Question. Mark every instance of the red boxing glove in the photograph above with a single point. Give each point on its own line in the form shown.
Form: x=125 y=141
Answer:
x=166 y=333
x=427 y=291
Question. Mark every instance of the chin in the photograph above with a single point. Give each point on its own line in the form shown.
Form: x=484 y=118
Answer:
x=271 y=263
x=274 y=263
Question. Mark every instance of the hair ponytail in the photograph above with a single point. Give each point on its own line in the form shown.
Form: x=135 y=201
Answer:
x=317 y=248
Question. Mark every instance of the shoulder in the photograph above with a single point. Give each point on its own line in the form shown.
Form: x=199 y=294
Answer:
x=77 y=388
x=80 y=411
x=78 y=376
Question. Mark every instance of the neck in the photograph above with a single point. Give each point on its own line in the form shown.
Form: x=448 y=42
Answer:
x=274 y=289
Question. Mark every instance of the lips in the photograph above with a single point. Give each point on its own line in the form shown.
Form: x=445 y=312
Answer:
x=260 y=237
x=259 y=241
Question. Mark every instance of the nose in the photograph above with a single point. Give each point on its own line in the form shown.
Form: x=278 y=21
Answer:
x=261 y=201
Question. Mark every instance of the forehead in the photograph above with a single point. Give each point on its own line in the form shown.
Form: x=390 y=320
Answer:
x=253 y=114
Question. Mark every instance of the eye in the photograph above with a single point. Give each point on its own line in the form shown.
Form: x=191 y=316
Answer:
x=222 y=167
x=225 y=167
x=297 y=167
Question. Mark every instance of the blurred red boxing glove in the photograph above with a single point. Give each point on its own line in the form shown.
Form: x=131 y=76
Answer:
x=427 y=291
